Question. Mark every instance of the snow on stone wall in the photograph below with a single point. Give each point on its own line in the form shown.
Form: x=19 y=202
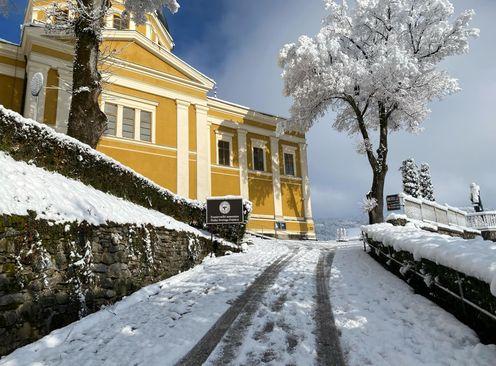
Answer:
x=475 y=257
x=51 y=274
x=30 y=141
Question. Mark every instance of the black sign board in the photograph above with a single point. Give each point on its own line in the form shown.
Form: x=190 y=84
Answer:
x=224 y=210
x=393 y=202
x=280 y=225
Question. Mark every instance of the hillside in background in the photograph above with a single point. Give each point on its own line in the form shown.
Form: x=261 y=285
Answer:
x=326 y=228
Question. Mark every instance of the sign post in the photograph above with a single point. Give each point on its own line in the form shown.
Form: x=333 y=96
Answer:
x=224 y=211
x=393 y=202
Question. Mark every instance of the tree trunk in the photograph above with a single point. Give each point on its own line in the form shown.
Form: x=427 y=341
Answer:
x=380 y=169
x=376 y=216
x=86 y=121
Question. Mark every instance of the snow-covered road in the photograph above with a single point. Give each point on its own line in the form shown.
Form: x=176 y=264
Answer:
x=279 y=322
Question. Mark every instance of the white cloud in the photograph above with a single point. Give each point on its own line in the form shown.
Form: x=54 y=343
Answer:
x=459 y=138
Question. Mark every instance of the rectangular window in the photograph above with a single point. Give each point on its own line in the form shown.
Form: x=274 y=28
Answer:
x=128 y=121
x=111 y=112
x=258 y=159
x=61 y=16
x=121 y=22
x=146 y=126
x=289 y=168
x=224 y=151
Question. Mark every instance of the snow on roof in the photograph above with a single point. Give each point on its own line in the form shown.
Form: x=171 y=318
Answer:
x=475 y=257
x=60 y=199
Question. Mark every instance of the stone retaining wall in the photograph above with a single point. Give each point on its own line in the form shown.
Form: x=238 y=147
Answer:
x=53 y=274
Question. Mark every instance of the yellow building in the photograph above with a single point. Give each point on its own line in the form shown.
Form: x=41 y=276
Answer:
x=162 y=123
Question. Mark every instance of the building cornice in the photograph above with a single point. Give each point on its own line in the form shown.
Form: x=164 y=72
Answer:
x=160 y=52
x=254 y=129
x=244 y=112
x=11 y=51
x=143 y=70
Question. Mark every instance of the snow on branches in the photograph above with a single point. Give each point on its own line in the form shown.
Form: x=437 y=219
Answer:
x=368 y=204
x=378 y=58
x=410 y=175
x=63 y=15
x=139 y=8
x=425 y=181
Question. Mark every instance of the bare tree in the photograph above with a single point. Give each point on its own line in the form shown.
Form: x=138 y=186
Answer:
x=85 y=19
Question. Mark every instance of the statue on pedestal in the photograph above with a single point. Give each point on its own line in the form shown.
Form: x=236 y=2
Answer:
x=476 y=198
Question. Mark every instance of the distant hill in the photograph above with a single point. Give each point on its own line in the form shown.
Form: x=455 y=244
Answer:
x=326 y=228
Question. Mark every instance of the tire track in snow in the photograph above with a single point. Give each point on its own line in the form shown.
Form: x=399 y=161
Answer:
x=327 y=339
x=243 y=307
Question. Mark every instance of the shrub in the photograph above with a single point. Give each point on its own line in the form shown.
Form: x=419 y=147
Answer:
x=39 y=144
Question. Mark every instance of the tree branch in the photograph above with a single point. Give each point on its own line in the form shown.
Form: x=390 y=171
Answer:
x=363 y=129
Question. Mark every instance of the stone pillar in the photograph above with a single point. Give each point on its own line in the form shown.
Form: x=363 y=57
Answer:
x=276 y=178
x=182 y=148
x=63 y=100
x=132 y=24
x=203 y=179
x=305 y=182
x=109 y=21
x=35 y=106
x=243 y=163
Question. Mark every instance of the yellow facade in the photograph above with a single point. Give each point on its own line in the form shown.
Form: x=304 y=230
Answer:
x=165 y=126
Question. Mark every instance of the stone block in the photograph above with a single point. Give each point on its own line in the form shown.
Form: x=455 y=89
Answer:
x=110 y=294
x=8 y=318
x=108 y=259
x=62 y=298
x=11 y=301
x=100 y=268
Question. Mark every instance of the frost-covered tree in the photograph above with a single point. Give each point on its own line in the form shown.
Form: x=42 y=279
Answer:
x=376 y=66
x=425 y=179
x=86 y=22
x=410 y=176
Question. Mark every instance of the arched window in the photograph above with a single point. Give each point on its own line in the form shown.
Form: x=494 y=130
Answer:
x=121 y=21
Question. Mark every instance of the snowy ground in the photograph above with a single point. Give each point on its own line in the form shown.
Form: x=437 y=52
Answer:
x=381 y=321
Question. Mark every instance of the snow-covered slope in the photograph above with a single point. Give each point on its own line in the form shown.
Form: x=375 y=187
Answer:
x=30 y=127
x=475 y=257
x=51 y=196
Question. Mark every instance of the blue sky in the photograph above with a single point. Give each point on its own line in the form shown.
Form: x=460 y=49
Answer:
x=236 y=42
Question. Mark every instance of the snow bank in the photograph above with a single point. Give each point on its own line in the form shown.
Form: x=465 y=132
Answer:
x=383 y=322
x=30 y=126
x=30 y=141
x=475 y=257
x=54 y=197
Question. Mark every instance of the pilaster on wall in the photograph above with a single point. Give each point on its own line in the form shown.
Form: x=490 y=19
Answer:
x=35 y=106
x=63 y=100
x=276 y=177
x=243 y=163
x=203 y=180
x=182 y=148
x=307 y=203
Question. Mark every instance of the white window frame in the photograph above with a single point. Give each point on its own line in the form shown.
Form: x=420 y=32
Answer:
x=290 y=150
x=261 y=144
x=228 y=137
x=138 y=105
